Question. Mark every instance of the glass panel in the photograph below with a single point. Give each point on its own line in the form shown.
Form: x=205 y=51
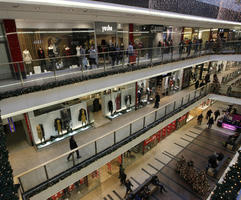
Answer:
x=122 y=133
x=137 y=125
x=33 y=178
x=192 y=95
x=170 y=108
x=160 y=113
x=178 y=103
x=150 y=119
x=185 y=100
x=86 y=152
x=105 y=142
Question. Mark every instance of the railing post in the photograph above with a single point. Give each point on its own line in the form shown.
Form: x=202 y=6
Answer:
x=130 y=129
x=21 y=184
x=73 y=158
x=144 y=121
x=114 y=137
x=20 y=74
x=174 y=105
x=54 y=68
x=46 y=172
x=155 y=115
x=138 y=57
x=95 y=147
x=165 y=110
x=104 y=62
x=189 y=96
x=182 y=101
x=123 y=58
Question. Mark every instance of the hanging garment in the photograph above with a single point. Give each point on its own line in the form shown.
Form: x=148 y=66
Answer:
x=65 y=114
x=128 y=100
x=82 y=115
x=118 y=101
x=58 y=125
x=40 y=132
x=96 y=105
x=27 y=58
x=110 y=106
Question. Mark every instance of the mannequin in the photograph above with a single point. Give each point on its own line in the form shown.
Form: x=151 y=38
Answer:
x=51 y=55
x=27 y=58
x=41 y=56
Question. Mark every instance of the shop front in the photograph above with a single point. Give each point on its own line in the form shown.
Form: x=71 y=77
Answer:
x=118 y=101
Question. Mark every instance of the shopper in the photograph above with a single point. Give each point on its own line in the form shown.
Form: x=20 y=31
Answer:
x=207 y=78
x=130 y=52
x=73 y=145
x=92 y=57
x=201 y=84
x=113 y=54
x=209 y=113
x=196 y=84
x=200 y=119
x=155 y=181
x=128 y=185
x=181 y=47
x=216 y=114
x=122 y=175
x=157 y=100
x=229 y=90
x=210 y=122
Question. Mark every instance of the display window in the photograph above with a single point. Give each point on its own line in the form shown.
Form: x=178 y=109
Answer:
x=118 y=101
x=55 y=48
x=181 y=121
x=58 y=122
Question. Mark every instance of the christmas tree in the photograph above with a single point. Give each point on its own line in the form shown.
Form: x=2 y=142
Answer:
x=8 y=191
x=231 y=185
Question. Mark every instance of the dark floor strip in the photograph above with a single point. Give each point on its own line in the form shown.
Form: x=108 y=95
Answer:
x=201 y=146
x=198 y=128
x=174 y=156
x=194 y=132
x=135 y=181
x=117 y=195
x=190 y=191
x=170 y=156
x=220 y=147
x=153 y=196
x=110 y=197
x=105 y=198
x=146 y=171
x=204 y=157
x=169 y=188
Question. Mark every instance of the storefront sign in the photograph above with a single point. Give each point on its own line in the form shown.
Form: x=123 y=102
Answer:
x=105 y=28
x=152 y=138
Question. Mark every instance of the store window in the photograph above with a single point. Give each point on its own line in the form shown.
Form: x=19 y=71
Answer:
x=52 y=44
x=5 y=69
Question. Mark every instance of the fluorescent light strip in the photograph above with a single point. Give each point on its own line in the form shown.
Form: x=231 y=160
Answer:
x=33 y=32
x=120 y=8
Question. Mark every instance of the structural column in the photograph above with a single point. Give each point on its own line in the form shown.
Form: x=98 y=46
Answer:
x=14 y=47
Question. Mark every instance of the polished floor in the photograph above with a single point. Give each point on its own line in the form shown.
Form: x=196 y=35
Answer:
x=192 y=141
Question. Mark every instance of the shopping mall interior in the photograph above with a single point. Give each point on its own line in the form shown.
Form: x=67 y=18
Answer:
x=120 y=100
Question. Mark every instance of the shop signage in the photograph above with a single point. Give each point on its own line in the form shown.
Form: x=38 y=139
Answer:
x=152 y=138
x=105 y=28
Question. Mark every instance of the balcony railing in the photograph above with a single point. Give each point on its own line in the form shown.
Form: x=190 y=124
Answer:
x=39 y=178
x=52 y=72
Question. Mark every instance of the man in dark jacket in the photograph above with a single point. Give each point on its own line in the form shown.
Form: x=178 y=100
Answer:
x=209 y=113
x=216 y=114
x=128 y=185
x=73 y=145
x=157 y=100
x=196 y=84
x=210 y=122
x=199 y=119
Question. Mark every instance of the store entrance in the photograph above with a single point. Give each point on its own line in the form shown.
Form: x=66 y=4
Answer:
x=17 y=140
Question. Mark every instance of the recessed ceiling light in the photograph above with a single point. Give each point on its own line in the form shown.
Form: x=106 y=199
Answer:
x=16 y=6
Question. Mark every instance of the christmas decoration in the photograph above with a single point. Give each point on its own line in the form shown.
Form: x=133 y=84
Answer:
x=231 y=185
x=7 y=188
x=191 y=175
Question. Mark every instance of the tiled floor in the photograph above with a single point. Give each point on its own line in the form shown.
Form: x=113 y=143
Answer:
x=192 y=141
x=27 y=157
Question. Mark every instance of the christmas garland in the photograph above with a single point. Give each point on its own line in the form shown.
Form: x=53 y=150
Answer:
x=8 y=190
x=21 y=91
x=230 y=187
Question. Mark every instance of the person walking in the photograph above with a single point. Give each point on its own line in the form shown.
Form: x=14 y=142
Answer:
x=155 y=181
x=113 y=54
x=73 y=145
x=209 y=113
x=122 y=175
x=200 y=119
x=216 y=114
x=210 y=123
x=229 y=90
x=92 y=57
x=128 y=185
x=157 y=100
x=196 y=84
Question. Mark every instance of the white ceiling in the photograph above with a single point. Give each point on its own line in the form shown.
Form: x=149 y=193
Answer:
x=89 y=11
